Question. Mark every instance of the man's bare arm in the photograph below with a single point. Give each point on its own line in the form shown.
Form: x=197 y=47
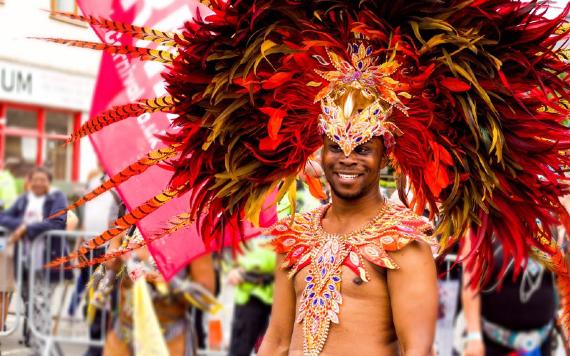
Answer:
x=414 y=298
x=202 y=272
x=278 y=336
x=471 y=300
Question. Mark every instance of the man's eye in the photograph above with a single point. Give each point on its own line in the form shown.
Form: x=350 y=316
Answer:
x=334 y=148
x=362 y=150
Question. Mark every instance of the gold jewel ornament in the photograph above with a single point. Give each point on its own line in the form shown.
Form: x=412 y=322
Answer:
x=357 y=103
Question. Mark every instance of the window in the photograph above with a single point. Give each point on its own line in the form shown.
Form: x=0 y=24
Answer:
x=64 y=6
x=58 y=123
x=36 y=136
x=20 y=153
x=24 y=119
x=57 y=156
x=68 y=6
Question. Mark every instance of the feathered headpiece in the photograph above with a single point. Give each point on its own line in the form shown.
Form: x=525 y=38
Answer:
x=359 y=97
x=468 y=94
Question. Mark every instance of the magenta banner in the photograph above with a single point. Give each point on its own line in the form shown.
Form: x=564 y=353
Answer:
x=122 y=80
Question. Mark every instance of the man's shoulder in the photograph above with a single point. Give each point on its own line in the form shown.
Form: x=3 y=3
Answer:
x=398 y=229
x=56 y=194
x=400 y=215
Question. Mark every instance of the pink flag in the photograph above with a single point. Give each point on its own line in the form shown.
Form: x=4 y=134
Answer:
x=122 y=80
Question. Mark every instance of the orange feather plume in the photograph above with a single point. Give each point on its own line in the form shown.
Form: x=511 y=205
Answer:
x=143 y=33
x=145 y=54
x=122 y=224
x=176 y=223
x=121 y=112
x=150 y=159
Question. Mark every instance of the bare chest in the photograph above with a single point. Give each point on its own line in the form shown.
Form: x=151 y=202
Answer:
x=357 y=310
x=351 y=285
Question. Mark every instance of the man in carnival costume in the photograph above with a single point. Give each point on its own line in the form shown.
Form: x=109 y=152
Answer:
x=349 y=239
x=464 y=98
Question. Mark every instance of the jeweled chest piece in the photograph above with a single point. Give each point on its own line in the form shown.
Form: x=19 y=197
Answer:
x=321 y=298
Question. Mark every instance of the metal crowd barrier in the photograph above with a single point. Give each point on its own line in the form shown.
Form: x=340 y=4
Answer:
x=450 y=261
x=211 y=353
x=449 y=291
x=50 y=293
x=11 y=304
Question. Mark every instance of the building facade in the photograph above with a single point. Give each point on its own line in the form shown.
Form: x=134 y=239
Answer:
x=45 y=89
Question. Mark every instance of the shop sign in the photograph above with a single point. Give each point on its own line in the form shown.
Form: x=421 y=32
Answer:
x=45 y=87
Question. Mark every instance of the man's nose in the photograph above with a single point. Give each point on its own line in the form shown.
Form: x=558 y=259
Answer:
x=348 y=160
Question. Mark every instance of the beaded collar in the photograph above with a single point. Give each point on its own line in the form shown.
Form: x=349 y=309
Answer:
x=307 y=244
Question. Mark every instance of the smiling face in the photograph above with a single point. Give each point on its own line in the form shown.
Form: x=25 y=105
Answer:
x=357 y=175
x=39 y=183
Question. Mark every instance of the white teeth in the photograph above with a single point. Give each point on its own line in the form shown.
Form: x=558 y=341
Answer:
x=348 y=176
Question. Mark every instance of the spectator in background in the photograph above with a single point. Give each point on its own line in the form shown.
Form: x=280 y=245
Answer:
x=199 y=314
x=98 y=214
x=253 y=279
x=515 y=318
x=8 y=192
x=7 y=282
x=7 y=196
x=27 y=218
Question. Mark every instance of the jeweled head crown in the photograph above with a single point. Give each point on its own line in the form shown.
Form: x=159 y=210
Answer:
x=357 y=102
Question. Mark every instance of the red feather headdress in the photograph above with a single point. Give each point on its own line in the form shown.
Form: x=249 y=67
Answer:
x=473 y=104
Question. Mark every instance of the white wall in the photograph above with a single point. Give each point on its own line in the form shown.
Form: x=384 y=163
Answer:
x=20 y=19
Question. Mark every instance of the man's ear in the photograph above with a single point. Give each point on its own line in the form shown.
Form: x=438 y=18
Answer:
x=314 y=167
x=384 y=158
x=383 y=161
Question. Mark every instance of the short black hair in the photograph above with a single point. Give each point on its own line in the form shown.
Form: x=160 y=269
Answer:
x=43 y=170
